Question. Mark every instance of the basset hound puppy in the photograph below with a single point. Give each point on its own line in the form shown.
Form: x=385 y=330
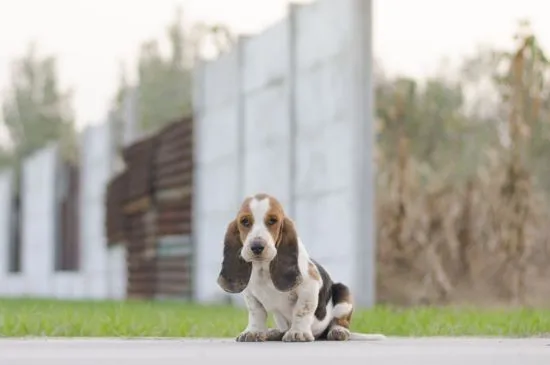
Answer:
x=265 y=260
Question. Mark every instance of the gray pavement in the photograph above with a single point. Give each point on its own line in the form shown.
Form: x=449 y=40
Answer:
x=392 y=351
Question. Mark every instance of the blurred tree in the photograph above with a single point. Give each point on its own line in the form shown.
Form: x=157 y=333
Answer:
x=6 y=157
x=210 y=40
x=35 y=111
x=116 y=116
x=432 y=121
x=163 y=90
x=495 y=66
x=164 y=83
x=524 y=85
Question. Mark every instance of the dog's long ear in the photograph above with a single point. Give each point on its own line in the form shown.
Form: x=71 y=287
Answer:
x=235 y=272
x=284 y=269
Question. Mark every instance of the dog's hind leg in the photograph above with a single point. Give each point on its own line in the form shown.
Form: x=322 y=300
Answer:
x=342 y=311
x=339 y=328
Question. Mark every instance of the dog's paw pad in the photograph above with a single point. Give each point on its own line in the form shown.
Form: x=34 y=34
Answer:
x=338 y=334
x=249 y=336
x=274 y=334
x=298 y=336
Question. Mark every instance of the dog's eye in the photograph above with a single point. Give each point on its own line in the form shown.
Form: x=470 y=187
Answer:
x=271 y=221
x=245 y=222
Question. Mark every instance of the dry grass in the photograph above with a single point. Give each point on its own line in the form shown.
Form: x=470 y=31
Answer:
x=482 y=241
x=444 y=242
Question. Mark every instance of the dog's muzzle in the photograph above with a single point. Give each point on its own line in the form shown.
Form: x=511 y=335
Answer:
x=257 y=246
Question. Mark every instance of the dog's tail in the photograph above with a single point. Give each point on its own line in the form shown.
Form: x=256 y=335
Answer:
x=357 y=336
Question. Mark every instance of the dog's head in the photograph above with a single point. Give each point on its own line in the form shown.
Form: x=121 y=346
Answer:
x=260 y=233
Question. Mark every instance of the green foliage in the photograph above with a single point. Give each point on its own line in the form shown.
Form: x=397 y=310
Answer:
x=36 y=112
x=116 y=113
x=533 y=104
x=431 y=118
x=164 y=83
x=432 y=114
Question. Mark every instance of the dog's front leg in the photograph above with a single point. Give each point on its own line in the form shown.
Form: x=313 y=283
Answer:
x=303 y=316
x=276 y=334
x=256 y=330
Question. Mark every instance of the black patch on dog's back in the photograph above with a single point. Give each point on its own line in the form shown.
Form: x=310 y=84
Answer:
x=325 y=294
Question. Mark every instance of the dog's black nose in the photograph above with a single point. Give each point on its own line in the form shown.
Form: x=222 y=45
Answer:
x=257 y=246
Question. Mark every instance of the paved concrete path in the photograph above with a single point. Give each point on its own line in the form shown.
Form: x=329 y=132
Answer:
x=393 y=351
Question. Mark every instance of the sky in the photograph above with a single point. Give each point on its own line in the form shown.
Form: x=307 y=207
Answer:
x=91 y=38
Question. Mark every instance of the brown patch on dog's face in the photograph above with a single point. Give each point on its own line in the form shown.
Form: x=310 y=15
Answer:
x=266 y=234
x=274 y=219
x=245 y=219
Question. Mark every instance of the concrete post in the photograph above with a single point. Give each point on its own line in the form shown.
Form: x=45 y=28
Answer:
x=363 y=111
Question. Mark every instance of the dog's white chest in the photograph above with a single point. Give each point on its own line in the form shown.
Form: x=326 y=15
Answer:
x=261 y=287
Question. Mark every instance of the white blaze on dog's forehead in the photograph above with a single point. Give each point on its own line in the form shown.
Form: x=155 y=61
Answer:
x=259 y=209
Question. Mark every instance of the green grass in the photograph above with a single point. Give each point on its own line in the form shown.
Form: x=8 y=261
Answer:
x=171 y=319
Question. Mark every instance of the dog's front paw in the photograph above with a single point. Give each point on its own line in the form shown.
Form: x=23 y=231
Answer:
x=338 y=333
x=252 y=336
x=274 y=334
x=298 y=336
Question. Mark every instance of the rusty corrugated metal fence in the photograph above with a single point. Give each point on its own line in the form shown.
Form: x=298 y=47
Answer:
x=149 y=210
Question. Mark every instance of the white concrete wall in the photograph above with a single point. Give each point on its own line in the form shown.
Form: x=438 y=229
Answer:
x=324 y=154
x=217 y=170
x=283 y=113
x=37 y=276
x=266 y=90
x=38 y=229
x=280 y=114
x=243 y=142
x=6 y=187
x=116 y=272
x=103 y=270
